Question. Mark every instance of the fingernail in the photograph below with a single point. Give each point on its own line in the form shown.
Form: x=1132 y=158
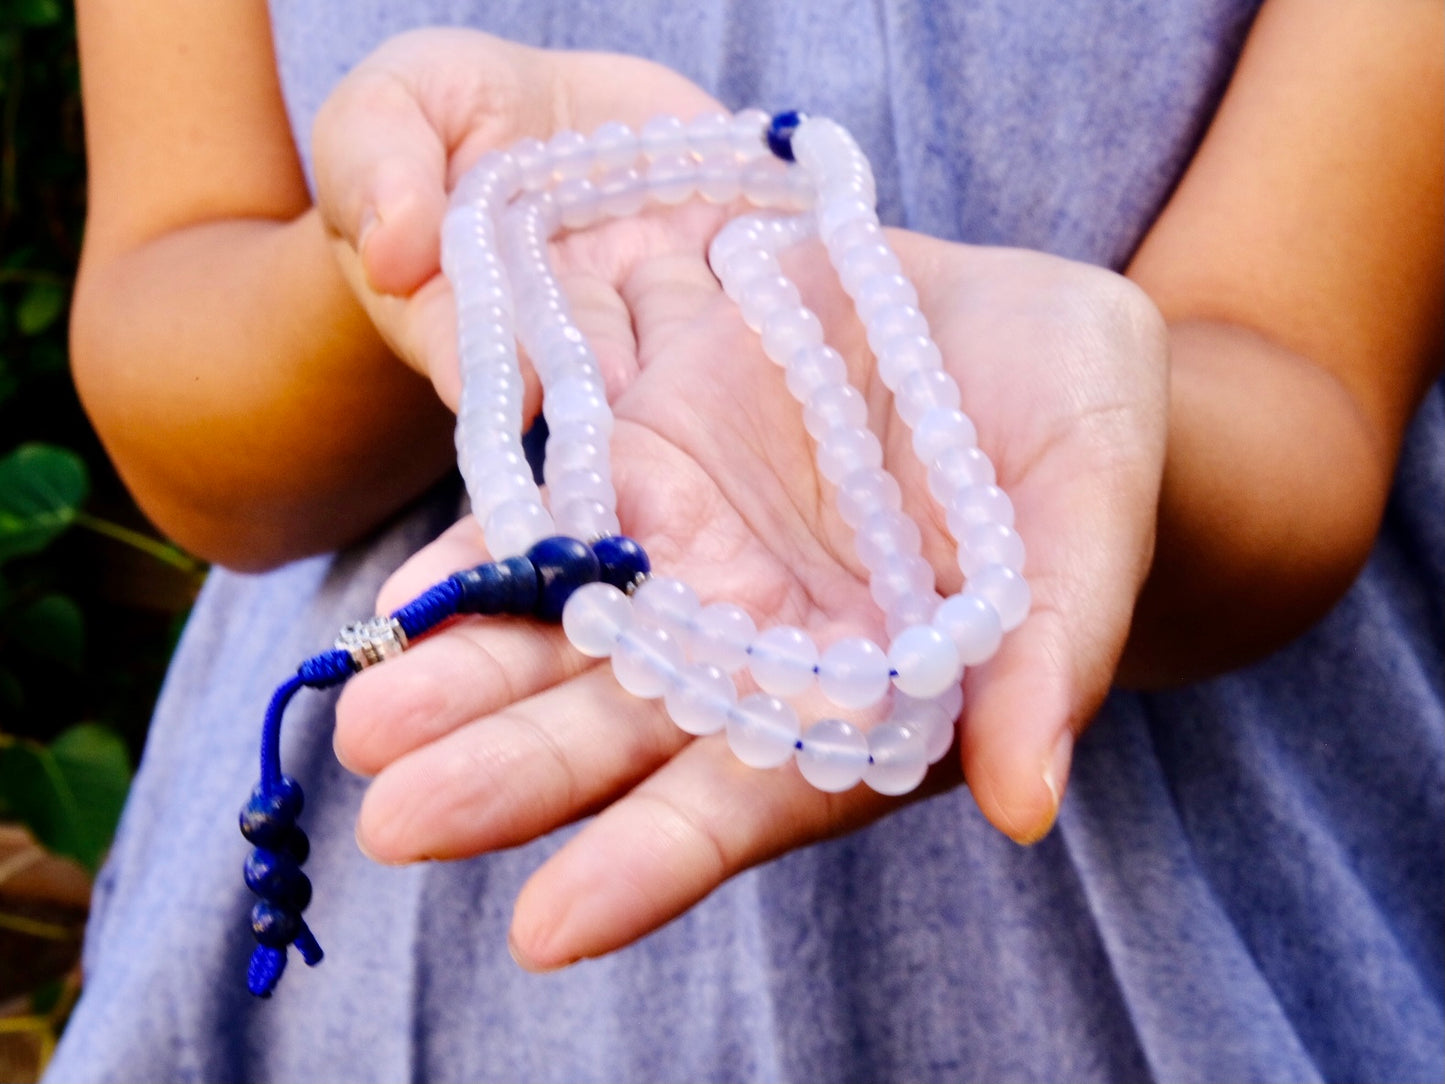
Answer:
x=369 y=221
x=1056 y=770
x=526 y=963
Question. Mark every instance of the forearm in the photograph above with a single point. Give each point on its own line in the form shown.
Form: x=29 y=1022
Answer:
x=1274 y=486
x=244 y=395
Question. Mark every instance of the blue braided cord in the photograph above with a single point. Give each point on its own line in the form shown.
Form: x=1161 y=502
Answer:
x=317 y=672
x=429 y=609
x=264 y=971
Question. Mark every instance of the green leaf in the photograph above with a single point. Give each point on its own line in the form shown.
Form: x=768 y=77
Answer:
x=69 y=794
x=52 y=627
x=41 y=488
x=35 y=12
x=39 y=307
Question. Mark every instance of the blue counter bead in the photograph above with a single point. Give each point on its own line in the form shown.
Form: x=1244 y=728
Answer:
x=623 y=562
x=267 y=819
x=563 y=565
x=498 y=587
x=780 y=133
x=522 y=581
x=277 y=878
x=273 y=926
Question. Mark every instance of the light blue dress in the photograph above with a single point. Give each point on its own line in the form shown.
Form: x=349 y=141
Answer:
x=1246 y=879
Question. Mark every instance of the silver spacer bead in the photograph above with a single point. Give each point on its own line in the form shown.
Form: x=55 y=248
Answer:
x=372 y=641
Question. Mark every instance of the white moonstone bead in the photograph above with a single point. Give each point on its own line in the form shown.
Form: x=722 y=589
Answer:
x=972 y=623
x=853 y=673
x=782 y=660
x=882 y=292
x=614 y=144
x=586 y=519
x=533 y=165
x=514 y=527
x=788 y=330
x=570 y=155
x=496 y=488
x=909 y=610
x=836 y=213
x=709 y=133
x=898 y=323
x=862 y=262
x=672 y=178
x=990 y=544
x=834 y=755
x=923 y=390
x=955 y=468
x=577 y=401
x=764 y=294
x=578 y=202
x=667 y=603
x=855 y=235
x=622 y=192
x=748 y=127
x=593 y=618
x=663 y=135
x=900 y=356
x=718 y=179
x=898 y=758
x=935 y=719
x=1006 y=590
x=925 y=661
x=736 y=267
x=720 y=636
x=762 y=731
x=646 y=660
x=884 y=536
x=845 y=449
x=904 y=575
x=765 y=183
x=574 y=484
x=974 y=505
x=702 y=699
x=814 y=367
x=832 y=406
x=866 y=491
x=940 y=429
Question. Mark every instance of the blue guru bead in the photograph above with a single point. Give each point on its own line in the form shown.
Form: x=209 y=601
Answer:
x=623 y=562
x=780 y=133
x=268 y=819
x=273 y=926
x=277 y=878
x=563 y=565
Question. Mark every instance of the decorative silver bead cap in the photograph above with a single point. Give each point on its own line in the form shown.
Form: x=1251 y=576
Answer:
x=372 y=641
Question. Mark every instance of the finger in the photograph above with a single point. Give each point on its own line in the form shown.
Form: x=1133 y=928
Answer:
x=507 y=778
x=653 y=854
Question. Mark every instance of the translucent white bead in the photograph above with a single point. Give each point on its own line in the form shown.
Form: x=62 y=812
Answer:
x=718 y=177
x=621 y=192
x=702 y=699
x=788 y=330
x=924 y=660
x=972 y=623
x=762 y=731
x=735 y=267
x=881 y=292
x=853 y=673
x=896 y=322
x=765 y=183
x=898 y=758
x=846 y=449
x=923 y=390
x=902 y=355
x=663 y=135
x=942 y=428
x=614 y=144
x=834 y=755
x=884 y=536
x=911 y=609
x=855 y=235
x=936 y=718
x=748 y=127
x=814 y=367
x=668 y=603
x=496 y=488
x=570 y=155
x=990 y=544
x=576 y=401
x=974 y=505
x=906 y=574
x=721 y=634
x=533 y=165
x=709 y=133
x=782 y=660
x=578 y=202
x=1006 y=590
x=832 y=406
x=586 y=519
x=955 y=468
x=672 y=178
x=593 y=618
x=836 y=213
x=645 y=660
x=866 y=491
x=764 y=295
x=862 y=262
x=569 y=453
x=514 y=527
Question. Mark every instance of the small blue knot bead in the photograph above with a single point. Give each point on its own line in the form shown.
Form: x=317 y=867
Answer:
x=499 y=587
x=623 y=562
x=563 y=565
x=274 y=926
x=277 y=878
x=780 y=133
x=295 y=844
x=266 y=819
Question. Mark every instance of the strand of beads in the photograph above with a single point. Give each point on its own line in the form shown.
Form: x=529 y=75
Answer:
x=662 y=643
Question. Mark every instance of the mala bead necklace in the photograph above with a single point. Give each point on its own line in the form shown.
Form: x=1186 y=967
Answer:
x=567 y=559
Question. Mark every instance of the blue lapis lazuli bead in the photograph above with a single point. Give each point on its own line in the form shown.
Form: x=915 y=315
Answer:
x=563 y=565
x=273 y=925
x=499 y=587
x=622 y=561
x=277 y=878
x=268 y=818
x=780 y=133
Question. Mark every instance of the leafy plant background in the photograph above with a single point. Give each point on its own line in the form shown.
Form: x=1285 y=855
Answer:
x=90 y=599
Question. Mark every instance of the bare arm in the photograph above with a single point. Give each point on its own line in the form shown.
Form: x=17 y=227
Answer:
x=1300 y=267
x=243 y=393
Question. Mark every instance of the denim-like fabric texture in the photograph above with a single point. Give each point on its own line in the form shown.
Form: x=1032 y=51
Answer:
x=1246 y=881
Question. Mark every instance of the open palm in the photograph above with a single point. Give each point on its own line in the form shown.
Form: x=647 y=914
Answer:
x=493 y=732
